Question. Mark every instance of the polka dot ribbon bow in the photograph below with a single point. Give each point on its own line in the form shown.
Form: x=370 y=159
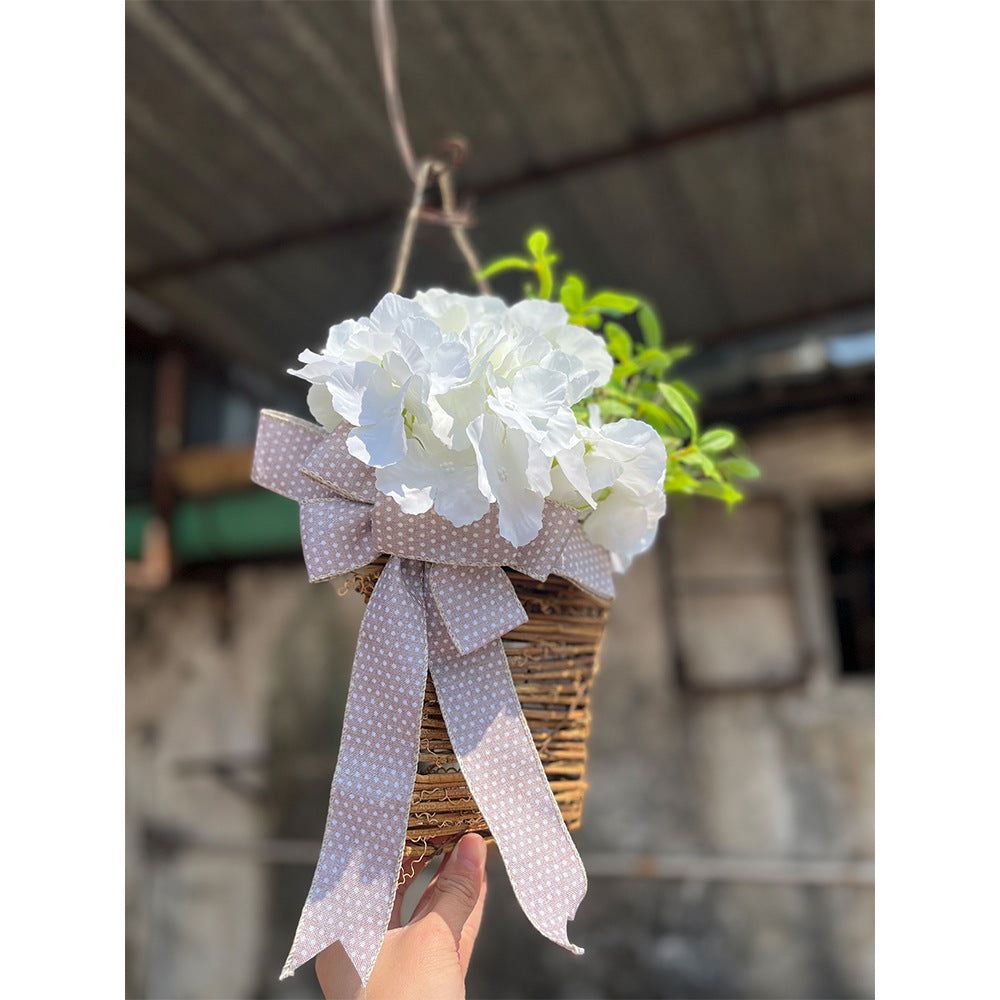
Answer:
x=441 y=604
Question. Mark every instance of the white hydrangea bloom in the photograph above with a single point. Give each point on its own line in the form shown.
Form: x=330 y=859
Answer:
x=629 y=459
x=459 y=402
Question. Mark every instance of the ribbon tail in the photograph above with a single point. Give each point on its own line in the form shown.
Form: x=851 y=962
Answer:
x=497 y=755
x=355 y=880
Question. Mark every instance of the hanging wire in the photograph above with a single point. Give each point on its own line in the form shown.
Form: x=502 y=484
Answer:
x=424 y=172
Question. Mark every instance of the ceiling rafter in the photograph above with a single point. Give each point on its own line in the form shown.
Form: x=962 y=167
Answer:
x=765 y=111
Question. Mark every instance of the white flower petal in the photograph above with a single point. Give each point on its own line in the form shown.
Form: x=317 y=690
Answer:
x=602 y=470
x=392 y=310
x=453 y=412
x=644 y=470
x=535 y=403
x=509 y=473
x=356 y=340
x=347 y=385
x=321 y=406
x=560 y=432
x=539 y=315
x=382 y=398
x=378 y=444
x=449 y=366
x=570 y=480
x=588 y=347
x=429 y=474
x=520 y=516
x=406 y=481
x=454 y=312
x=625 y=523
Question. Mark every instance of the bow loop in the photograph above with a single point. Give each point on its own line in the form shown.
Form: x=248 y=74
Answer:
x=333 y=466
x=336 y=537
x=478 y=604
x=284 y=444
x=587 y=565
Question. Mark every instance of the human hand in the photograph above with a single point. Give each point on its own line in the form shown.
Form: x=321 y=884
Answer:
x=429 y=957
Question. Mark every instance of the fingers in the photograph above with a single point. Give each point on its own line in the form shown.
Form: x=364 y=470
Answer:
x=471 y=930
x=459 y=889
x=427 y=896
x=337 y=977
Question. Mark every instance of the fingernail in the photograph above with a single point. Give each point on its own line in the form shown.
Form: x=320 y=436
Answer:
x=471 y=852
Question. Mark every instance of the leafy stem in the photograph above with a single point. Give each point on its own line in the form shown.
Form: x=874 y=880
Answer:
x=704 y=462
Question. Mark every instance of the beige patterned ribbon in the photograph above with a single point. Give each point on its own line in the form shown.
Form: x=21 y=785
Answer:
x=442 y=604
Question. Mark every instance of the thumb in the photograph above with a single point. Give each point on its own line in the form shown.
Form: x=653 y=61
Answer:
x=458 y=886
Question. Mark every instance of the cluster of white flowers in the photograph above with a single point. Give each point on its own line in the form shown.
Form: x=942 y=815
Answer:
x=459 y=402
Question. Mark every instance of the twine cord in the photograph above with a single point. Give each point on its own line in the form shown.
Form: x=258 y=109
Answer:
x=410 y=227
x=384 y=30
x=425 y=172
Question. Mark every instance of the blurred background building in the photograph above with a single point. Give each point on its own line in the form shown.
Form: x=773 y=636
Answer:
x=717 y=157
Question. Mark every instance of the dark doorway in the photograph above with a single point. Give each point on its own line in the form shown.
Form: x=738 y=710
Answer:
x=849 y=537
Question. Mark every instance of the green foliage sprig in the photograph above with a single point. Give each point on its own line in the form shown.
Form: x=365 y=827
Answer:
x=700 y=461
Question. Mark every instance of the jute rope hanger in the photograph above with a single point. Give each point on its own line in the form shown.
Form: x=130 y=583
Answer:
x=432 y=170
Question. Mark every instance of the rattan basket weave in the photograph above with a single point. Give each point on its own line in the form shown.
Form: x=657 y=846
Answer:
x=553 y=659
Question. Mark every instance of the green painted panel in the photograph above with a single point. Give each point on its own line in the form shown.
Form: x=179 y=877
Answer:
x=238 y=525
x=136 y=516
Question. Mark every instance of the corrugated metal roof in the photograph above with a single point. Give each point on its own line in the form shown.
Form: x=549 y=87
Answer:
x=718 y=156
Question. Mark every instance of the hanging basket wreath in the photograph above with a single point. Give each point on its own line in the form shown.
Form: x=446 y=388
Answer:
x=481 y=469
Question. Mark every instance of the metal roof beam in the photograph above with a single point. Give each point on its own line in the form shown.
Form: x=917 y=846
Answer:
x=642 y=146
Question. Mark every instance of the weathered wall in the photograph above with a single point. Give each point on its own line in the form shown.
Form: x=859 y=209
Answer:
x=235 y=686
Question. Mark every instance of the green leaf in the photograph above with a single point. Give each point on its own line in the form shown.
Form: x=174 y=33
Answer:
x=624 y=370
x=659 y=417
x=654 y=360
x=615 y=408
x=677 y=402
x=678 y=482
x=706 y=465
x=680 y=351
x=649 y=324
x=604 y=301
x=716 y=439
x=538 y=243
x=741 y=468
x=614 y=391
x=719 y=491
x=619 y=342
x=687 y=390
x=505 y=264
x=571 y=294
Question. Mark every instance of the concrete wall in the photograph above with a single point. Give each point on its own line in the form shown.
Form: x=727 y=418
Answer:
x=712 y=822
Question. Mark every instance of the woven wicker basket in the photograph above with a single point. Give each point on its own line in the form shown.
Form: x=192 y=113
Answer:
x=553 y=659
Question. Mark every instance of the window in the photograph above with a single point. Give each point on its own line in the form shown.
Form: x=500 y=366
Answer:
x=735 y=601
x=849 y=537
